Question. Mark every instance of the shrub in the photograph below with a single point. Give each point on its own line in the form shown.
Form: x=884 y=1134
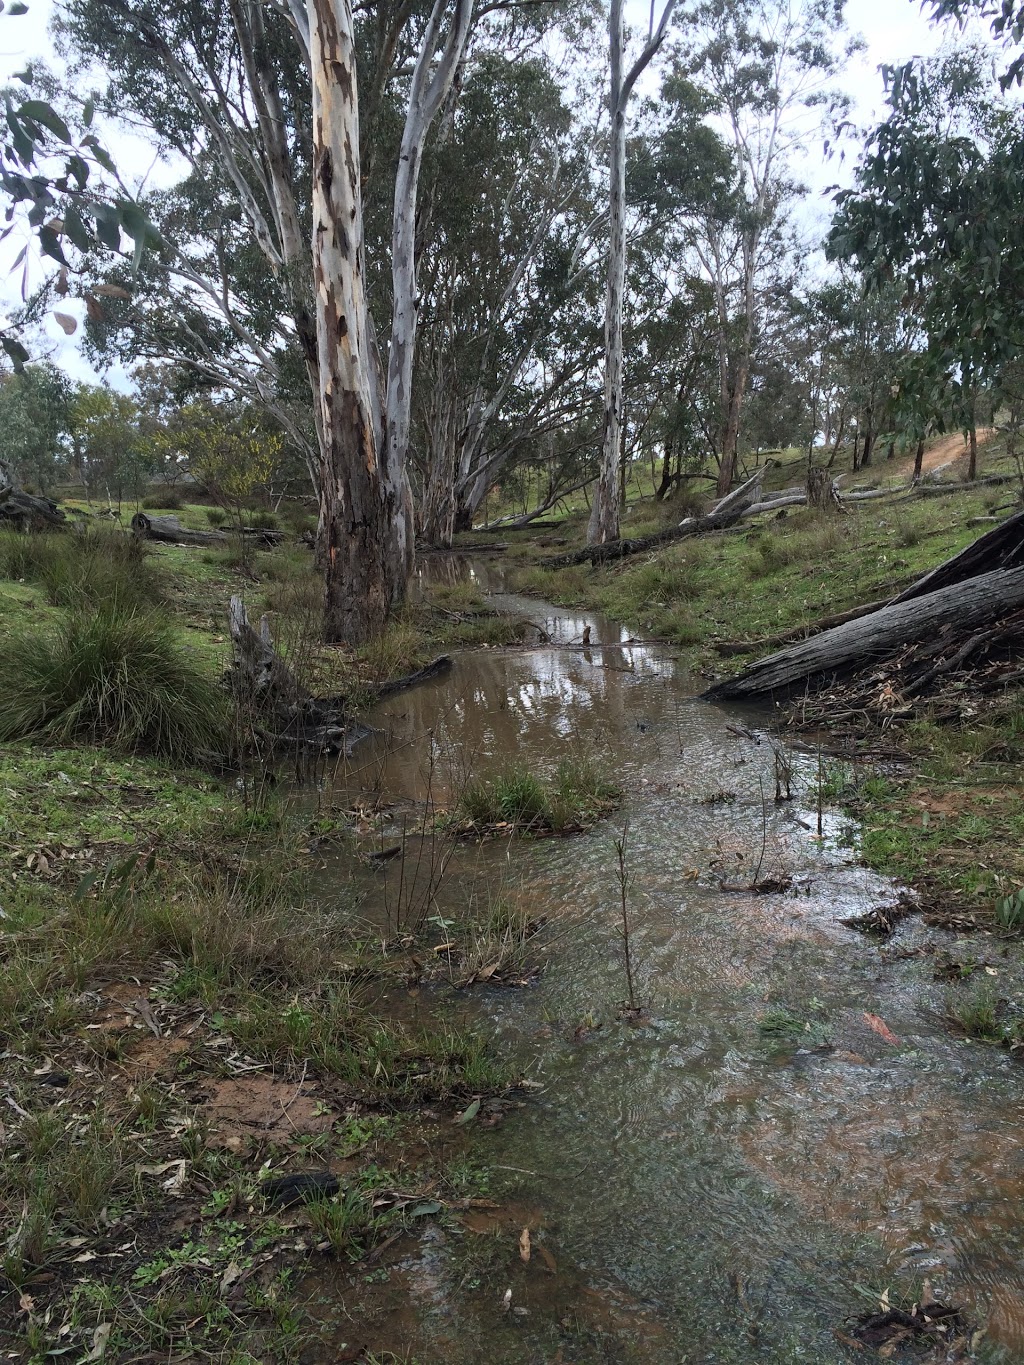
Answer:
x=114 y=676
x=216 y=516
x=263 y=521
x=167 y=502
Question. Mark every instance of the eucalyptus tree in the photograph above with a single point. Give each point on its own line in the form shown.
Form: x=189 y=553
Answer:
x=263 y=106
x=604 y=513
x=509 y=279
x=936 y=212
x=34 y=421
x=768 y=69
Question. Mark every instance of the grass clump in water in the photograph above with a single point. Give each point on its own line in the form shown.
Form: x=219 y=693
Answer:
x=113 y=676
x=577 y=796
x=980 y=1013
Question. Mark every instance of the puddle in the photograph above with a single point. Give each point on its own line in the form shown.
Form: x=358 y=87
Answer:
x=705 y=1193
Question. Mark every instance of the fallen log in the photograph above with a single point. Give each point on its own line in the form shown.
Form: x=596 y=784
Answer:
x=26 y=512
x=961 y=607
x=1000 y=548
x=784 y=637
x=169 y=531
x=724 y=513
x=442 y=664
x=22 y=510
x=934 y=490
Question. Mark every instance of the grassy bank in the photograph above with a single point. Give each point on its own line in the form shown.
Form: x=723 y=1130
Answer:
x=186 y=1026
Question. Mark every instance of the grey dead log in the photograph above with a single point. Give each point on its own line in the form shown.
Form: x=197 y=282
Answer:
x=784 y=637
x=787 y=500
x=1000 y=548
x=934 y=490
x=724 y=513
x=169 y=531
x=22 y=510
x=962 y=606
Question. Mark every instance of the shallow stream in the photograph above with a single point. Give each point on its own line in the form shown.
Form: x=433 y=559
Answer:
x=701 y=1191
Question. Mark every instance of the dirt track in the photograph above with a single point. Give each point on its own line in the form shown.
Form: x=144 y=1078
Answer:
x=944 y=451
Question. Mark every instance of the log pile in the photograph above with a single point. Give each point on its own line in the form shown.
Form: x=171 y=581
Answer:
x=962 y=624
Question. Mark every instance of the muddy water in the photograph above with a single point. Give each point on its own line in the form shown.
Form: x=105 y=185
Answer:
x=702 y=1194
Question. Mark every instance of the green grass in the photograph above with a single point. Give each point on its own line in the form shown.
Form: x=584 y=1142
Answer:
x=573 y=798
x=80 y=569
x=114 y=676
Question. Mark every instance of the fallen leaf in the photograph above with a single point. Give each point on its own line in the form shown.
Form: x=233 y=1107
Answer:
x=230 y=1275
x=424 y=1210
x=99 y=1341
x=468 y=1114
x=549 y=1261
x=506 y=1301
x=68 y=324
x=880 y=1027
x=524 y=1245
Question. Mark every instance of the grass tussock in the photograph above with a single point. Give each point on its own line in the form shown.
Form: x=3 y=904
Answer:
x=115 y=676
x=82 y=569
x=576 y=796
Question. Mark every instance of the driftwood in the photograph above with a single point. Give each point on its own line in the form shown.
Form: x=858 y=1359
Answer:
x=169 y=531
x=724 y=513
x=962 y=607
x=442 y=664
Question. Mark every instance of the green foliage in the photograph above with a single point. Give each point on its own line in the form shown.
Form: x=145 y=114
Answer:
x=263 y=521
x=112 y=675
x=216 y=516
x=980 y=1014
x=577 y=795
x=34 y=417
x=937 y=208
x=1010 y=911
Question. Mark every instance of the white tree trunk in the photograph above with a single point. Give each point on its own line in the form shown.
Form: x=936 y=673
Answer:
x=355 y=509
x=428 y=92
x=604 y=510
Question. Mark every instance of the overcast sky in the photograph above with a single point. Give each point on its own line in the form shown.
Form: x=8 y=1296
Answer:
x=893 y=30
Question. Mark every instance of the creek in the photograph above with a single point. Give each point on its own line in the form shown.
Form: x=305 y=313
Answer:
x=701 y=1189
